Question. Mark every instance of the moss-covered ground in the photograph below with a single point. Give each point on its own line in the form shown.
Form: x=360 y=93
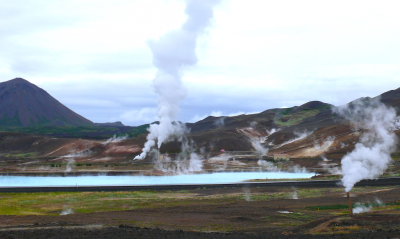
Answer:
x=302 y=210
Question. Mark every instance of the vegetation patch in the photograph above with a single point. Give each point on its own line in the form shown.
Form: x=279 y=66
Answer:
x=92 y=132
x=346 y=206
x=296 y=118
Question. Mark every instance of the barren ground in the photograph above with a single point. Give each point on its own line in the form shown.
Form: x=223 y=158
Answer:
x=202 y=213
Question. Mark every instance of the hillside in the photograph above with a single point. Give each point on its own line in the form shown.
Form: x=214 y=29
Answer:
x=309 y=130
x=24 y=104
x=274 y=126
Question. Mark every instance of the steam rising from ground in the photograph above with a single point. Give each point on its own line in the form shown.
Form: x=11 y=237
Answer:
x=167 y=165
x=256 y=138
x=70 y=165
x=299 y=135
x=183 y=163
x=220 y=122
x=273 y=130
x=297 y=169
x=362 y=208
x=115 y=139
x=294 y=194
x=331 y=168
x=246 y=193
x=267 y=165
x=67 y=211
x=256 y=142
x=171 y=53
x=371 y=155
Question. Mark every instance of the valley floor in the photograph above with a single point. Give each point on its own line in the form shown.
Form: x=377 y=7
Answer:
x=203 y=213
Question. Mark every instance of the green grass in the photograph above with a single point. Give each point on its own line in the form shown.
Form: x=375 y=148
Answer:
x=13 y=121
x=82 y=202
x=346 y=206
x=24 y=155
x=297 y=118
x=329 y=207
x=299 y=216
x=287 y=111
x=86 y=202
x=78 y=131
x=396 y=157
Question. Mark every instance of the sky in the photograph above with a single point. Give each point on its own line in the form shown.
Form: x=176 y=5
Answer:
x=93 y=56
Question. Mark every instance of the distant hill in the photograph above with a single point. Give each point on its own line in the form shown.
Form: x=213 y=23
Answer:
x=309 y=130
x=24 y=104
x=391 y=98
x=111 y=124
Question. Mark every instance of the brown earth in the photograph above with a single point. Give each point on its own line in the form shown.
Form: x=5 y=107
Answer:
x=231 y=218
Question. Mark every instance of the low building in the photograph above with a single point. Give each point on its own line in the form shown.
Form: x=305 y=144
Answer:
x=281 y=157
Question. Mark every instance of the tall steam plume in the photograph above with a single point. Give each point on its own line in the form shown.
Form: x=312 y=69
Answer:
x=171 y=53
x=371 y=155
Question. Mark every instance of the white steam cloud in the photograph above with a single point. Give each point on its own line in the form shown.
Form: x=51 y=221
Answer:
x=70 y=165
x=115 y=139
x=247 y=193
x=267 y=165
x=67 y=211
x=362 y=208
x=371 y=155
x=171 y=53
x=294 y=194
x=299 y=135
x=169 y=166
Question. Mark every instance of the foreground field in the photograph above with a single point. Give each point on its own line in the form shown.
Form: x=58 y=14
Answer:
x=255 y=211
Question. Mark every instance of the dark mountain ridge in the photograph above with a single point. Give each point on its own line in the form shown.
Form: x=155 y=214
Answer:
x=308 y=113
x=24 y=104
x=314 y=121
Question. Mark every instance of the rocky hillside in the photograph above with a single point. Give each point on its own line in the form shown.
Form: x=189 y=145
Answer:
x=24 y=104
x=309 y=130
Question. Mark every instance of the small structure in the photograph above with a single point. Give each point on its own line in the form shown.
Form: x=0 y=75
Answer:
x=281 y=157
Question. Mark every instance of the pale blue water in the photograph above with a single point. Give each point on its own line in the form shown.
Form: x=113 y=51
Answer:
x=212 y=178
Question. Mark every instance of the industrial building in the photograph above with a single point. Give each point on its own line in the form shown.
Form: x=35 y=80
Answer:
x=281 y=157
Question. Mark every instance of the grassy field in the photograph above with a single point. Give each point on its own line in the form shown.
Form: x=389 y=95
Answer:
x=316 y=210
x=296 y=118
x=84 y=202
x=87 y=202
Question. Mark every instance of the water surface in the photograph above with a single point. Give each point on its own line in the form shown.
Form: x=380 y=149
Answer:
x=210 y=178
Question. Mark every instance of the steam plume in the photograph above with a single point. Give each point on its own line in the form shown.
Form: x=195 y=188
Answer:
x=171 y=53
x=299 y=135
x=371 y=155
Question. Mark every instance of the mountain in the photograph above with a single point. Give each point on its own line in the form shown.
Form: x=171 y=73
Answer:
x=391 y=98
x=111 y=124
x=239 y=133
x=307 y=132
x=24 y=104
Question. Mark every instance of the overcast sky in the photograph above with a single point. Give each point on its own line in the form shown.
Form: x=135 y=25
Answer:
x=93 y=55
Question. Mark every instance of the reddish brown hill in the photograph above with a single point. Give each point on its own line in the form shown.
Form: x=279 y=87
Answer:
x=24 y=104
